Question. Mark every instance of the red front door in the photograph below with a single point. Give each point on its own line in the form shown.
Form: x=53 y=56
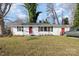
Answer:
x=30 y=30
x=62 y=31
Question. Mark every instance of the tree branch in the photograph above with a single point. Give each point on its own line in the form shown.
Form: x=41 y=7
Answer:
x=1 y=9
x=7 y=10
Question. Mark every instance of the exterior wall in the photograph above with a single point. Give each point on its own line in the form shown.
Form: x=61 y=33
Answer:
x=45 y=33
x=15 y=32
x=67 y=29
x=26 y=30
x=35 y=30
x=56 y=31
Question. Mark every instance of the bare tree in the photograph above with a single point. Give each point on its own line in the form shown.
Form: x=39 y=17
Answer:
x=52 y=12
x=71 y=7
x=4 y=9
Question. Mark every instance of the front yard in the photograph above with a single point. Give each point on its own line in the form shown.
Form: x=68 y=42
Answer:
x=39 y=46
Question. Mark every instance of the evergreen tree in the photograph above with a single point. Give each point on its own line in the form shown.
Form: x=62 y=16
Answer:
x=32 y=10
x=76 y=17
x=66 y=22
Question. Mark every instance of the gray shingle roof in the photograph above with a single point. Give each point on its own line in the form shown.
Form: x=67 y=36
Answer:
x=20 y=23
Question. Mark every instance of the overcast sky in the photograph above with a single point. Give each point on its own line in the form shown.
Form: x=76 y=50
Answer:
x=19 y=12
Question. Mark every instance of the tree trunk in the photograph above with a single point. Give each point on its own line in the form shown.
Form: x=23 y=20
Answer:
x=2 y=29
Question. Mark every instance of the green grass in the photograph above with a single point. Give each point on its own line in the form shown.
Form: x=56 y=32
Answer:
x=39 y=46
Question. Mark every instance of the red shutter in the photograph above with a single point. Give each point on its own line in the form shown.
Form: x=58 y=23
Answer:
x=62 y=31
x=30 y=30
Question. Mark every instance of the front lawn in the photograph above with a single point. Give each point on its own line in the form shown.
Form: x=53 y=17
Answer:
x=39 y=45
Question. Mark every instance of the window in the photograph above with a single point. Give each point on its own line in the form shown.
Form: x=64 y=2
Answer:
x=45 y=28
x=48 y=28
x=41 y=28
x=20 y=28
x=78 y=29
x=51 y=29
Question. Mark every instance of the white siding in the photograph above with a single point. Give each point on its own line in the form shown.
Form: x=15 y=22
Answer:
x=67 y=29
x=35 y=30
x=45 y=33
x=15 y=32
x=26 y=30
x=56 y=31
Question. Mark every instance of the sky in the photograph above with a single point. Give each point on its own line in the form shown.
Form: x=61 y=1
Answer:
x=17 y=11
